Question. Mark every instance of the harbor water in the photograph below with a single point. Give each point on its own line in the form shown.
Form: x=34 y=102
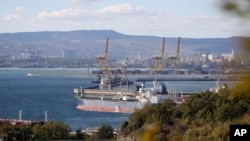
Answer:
x=35 y=91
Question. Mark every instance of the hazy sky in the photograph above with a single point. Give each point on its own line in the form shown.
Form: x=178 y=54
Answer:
x=169 y=18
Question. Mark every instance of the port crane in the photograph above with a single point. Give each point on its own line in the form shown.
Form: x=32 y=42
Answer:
x=159 y=61
x=103 y=65
x=174 y=61
x=102 y=60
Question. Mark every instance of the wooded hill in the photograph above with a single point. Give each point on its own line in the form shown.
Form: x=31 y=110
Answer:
x=204 y=116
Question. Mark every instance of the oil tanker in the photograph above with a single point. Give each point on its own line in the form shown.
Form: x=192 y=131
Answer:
x=122 y=100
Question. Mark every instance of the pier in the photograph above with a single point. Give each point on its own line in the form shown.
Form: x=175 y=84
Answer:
x=189 y=78
x=20 y=121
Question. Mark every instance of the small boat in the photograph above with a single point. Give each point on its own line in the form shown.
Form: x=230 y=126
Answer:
x=33 y=74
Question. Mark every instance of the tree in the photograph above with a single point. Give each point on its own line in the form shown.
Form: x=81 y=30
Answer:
x=164 y=112
x=105 y=132
x=16 y=132
x=51 y=131
x=138 y=118
x=79 y=135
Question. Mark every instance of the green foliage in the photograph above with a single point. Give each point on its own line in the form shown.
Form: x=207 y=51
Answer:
x=164 y=112
x=230 y=6
x=40 y=131
x=79 y=135
x=200 y=106
x=51 y=131
x=137 y=119
x=195 y=119
x=124 y=124
x=124 y=127
x=105 y=132
x=237 y=7
x=17 y=132
x=242 y=90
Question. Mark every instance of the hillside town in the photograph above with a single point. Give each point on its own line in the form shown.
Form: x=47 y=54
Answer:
x=69 y=59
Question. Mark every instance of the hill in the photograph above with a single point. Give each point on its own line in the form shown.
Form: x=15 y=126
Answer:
x=90 y=43
x=204 y=116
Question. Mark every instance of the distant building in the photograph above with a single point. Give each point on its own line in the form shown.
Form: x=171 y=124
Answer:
x=69 y=53
x=207 y=57
x=139 y=57
x=210 y=57
x=217 y=59
x=228 y=57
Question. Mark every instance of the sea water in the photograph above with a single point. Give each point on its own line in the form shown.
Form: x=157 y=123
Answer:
x=34 y=91
x=49 y=90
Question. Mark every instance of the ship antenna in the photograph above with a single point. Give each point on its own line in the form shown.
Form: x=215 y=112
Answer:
x=46 y=116
x=20 y=115
x=81 y=91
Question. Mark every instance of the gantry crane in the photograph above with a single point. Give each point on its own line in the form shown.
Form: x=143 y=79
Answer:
x=159 y=61
x=174 y=61
x=103 y=65
x=102 y=60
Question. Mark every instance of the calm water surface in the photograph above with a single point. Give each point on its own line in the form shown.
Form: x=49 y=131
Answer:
x=51 y=90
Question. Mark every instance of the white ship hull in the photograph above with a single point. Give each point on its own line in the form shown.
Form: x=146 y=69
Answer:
x=108 y=105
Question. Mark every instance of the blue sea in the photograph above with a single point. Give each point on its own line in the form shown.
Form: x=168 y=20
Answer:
x=51 y=90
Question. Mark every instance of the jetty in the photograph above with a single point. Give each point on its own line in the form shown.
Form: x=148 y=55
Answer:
x=189 y=78
x=21 y=121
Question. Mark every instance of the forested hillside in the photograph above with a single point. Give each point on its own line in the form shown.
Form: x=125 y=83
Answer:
x=204 y=116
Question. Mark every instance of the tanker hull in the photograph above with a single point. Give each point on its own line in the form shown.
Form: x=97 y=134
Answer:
x=119 y=106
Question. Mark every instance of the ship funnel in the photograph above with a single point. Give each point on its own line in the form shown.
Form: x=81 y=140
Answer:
x=164 y=88
x=143 y=84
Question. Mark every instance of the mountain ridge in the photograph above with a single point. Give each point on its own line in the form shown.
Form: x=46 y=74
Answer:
x=90 y=43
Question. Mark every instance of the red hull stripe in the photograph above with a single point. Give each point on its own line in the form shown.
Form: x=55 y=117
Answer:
x=105 y=109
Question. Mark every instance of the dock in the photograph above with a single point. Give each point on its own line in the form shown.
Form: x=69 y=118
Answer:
x=189 y=78
x=20 y=122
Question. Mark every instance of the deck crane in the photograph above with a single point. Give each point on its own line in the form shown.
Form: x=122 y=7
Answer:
x=159 y=62
x=174 y=61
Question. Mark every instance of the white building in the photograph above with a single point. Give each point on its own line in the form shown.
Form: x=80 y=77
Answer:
x=228 y=57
